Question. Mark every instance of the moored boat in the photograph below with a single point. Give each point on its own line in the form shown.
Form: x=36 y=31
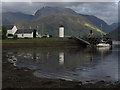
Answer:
x=103 y=44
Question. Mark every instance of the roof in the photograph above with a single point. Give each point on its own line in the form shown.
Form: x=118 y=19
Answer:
x=61 y=26
x=10 y=26
x=20 y=31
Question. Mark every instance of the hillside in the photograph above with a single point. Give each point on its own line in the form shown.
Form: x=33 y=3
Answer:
x=112 y=27
x=48 y=20
x=10 y=17
x=48 y=11
x=75 y=25
x=97 y=22
x=115 y=34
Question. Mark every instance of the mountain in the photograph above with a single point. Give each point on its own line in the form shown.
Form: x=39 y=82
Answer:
x=112 y=27
x=10 y=17
x=97 y=22
x=48 y=19
x=48 y=11
x=115 y=34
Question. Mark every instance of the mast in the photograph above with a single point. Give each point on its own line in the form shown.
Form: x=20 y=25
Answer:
x=37 y=28
x=30 y=27
x=42 y=29
x=101 y=32
x=22 y=31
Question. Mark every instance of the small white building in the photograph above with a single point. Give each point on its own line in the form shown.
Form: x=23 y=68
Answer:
x=26 y=33
x=45 y=35
x=11 y=29
x=61 y=31
x=21 y=33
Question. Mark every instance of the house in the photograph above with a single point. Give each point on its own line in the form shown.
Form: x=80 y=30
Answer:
x=11 y=29
x=21 y=33
x=26 y=33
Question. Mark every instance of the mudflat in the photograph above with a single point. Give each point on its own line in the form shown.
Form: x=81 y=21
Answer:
x=13 y=77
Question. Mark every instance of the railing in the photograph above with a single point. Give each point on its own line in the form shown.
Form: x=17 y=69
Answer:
x=82 y=40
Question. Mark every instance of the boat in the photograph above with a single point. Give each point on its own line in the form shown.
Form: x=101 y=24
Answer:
x=103 y=44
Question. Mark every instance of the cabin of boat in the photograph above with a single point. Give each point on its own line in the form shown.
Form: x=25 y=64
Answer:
x=103 y=44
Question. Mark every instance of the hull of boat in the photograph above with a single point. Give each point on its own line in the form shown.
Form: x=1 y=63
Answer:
x=103 y=45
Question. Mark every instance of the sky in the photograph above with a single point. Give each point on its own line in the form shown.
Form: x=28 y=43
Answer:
x=107 y=11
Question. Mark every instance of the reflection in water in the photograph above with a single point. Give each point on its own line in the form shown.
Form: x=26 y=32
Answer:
x=61 y=58
x=103 y=49
x=67 y=63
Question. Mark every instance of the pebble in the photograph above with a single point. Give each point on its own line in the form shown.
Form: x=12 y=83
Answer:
x=87 y=81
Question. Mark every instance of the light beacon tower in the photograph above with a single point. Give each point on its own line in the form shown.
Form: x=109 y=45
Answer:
x=61 y=31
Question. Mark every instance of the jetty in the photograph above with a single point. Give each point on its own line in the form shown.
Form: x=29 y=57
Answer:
x=92 y=41
x=82 y=41
x=95 y=40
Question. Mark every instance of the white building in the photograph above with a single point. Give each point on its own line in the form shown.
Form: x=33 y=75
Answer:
x=61 y=31
x=11 y=29
x=26 y=33
x=21 y=33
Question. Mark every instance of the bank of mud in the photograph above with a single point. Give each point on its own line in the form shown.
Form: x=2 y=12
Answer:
x=13 y=77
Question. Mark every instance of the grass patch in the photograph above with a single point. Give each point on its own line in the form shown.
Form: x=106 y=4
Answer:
x=33 y=40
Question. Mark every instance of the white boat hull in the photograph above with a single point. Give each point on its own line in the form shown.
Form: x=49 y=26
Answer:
x=103 y=45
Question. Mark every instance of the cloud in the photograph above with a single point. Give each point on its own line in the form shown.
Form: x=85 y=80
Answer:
x=59 y=1
x=108 y=11
x=25 y=7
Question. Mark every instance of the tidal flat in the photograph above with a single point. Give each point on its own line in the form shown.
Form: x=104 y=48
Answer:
x=58 y=67
x=23 y=78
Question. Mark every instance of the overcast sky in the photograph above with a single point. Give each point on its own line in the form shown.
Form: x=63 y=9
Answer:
x=107 y=11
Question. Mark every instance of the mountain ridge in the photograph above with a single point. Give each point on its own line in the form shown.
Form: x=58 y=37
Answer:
x=75 y=25
x=73 y=21
x=115 y=34
x=48 y=11
x=10 y=17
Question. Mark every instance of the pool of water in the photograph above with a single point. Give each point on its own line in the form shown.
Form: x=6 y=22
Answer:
x=72 y=63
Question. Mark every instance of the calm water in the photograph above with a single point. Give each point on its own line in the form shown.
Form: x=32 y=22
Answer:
x=73 y=63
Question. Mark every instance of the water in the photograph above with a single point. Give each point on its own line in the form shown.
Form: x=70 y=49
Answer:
x=74 y=63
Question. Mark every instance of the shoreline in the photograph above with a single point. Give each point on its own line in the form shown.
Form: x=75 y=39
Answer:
x=23 y=78
x=44 y=42
x=14 y=77
x=40 y=42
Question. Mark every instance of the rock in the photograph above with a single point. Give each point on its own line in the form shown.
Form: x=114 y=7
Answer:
x=80 y=83
x=108 y=76
x=102 y=81
x=87 y=81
